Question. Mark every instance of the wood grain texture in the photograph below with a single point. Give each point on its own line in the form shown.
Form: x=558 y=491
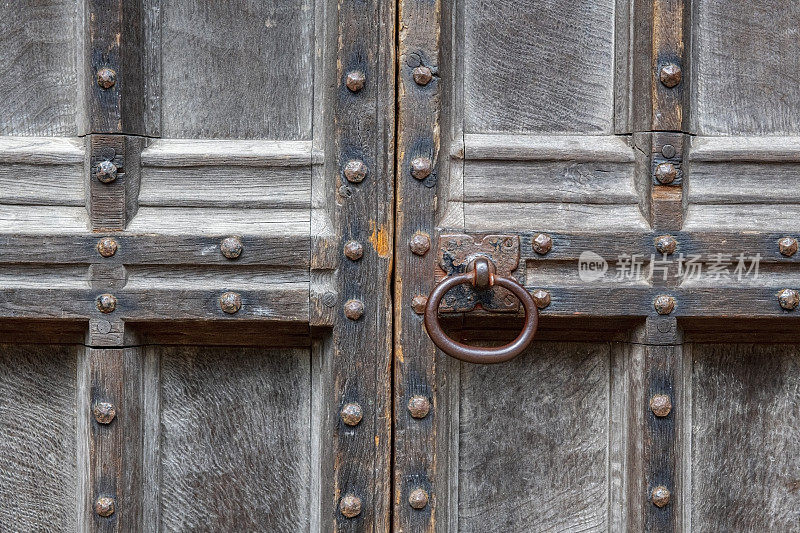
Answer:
x=744 y=455
x=532 y=66
x=240 y=70
x=235 y=434
x=41 y=170
x=534 y=451
x=38 y=462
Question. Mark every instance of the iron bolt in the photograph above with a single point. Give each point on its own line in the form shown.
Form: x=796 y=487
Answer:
x=421 y=168
x=420 y=243
x=106 y=247
x=666 y=244
x=355 y=80
x=230 y=302
x=670 y=75
x=106 y=303
x=104 y=506
x=666 y=173
x=419 y=406
x=350 y=506
x=329 y=299
x=104 y=412
x=788 y=246
x=351 y=414
x=418 y=498
x=788 y=298
x=353 y=250
x=353 y=309
x=106 y=77
x=542 y=243
x=661 y=405
x=660 y=496
x=418 y=304
x=664 y=304
x=355 y=171
x=542 y=298
x=423 y=75
x=231 y=247
x=106 y=171
x=668 y=151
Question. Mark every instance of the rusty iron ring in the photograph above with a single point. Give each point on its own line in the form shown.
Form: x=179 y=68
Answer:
x=476 y=354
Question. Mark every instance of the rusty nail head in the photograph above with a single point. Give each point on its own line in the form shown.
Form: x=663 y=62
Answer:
x=661 y=405
x=350 y=506
x=355 y=80
x=355 y=171
x=418 y=303
x=420 y=243
x=106 y=77
x=660 y=496
x=329 y=299
x=788 y=246
x=423 y=75
x=104 y=412
x=666 y=173
x=353 y=309
x=106 y=171
x=788 y=298
x=104 y=506
x=231 y=247
x=664 y=304
x=421 y=168
x=106 y=303
x=541 y=297
x=670 y=75
x=419 y=406
x=351 y=414
x=106 y=247
x=230 y=302
x=418 y=498
x=542 y=243
x=353 y=250
x=666 y=244
x=668 y=151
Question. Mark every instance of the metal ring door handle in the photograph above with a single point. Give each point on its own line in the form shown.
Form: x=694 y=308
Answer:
x=481 y=276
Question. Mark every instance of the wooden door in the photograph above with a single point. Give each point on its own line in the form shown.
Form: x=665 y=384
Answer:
x=195 y=249
x=578 y=144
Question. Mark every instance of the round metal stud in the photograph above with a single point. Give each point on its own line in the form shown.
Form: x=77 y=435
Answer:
x=666 y=173
x=660 y=496
x=670 y=75
x=787 y=246
x=668 y=151
x=420 y=243
x=542 y=298
x=231 y=247
x=104 y=412
x=419 y=406
x=353 y=250
x=788 y=298
x=106 y=77
x=664 y=304
x=355 y=80
x=418 y=498
x=106 y=247
x=355 y=171
x=421 y=168
x=230 y=302
x=106 y=303
x=104 y=506
x=542 y=243
x=106 y=171
x=661 y=405
x=666 y=244
x=353 y=309
x=418 y=303
x=350 y=506
x=422 y=75
x=351 y=414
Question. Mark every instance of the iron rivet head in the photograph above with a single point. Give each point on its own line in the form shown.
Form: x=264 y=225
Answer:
x=355 y=171
x=104 y=506
x=231 y=247
x=788 y=298
x=664 y=304
x=666 y=244
x=419 y=406
x=661 y=405
x=104 y=412
x=420 y=243
x=351 y=414
x=106 y=77
x=542 y=243
x=668 y=151
x=788 y=246
x=106 y=171
x=355 y=80
x=418 y=498
x=353 y=250
x=418 y=303
x=329 y=299
x=106 y=303
x=660 y=496
x=422 y=75
x=350 y=506
x=421 y=168
x=541 y=297
x=106 y=247
x=353 y=309
x=670 y=75
x=230 y=302
x=666 y=173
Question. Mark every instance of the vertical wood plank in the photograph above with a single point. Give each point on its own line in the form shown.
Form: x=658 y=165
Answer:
x=669 y=95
